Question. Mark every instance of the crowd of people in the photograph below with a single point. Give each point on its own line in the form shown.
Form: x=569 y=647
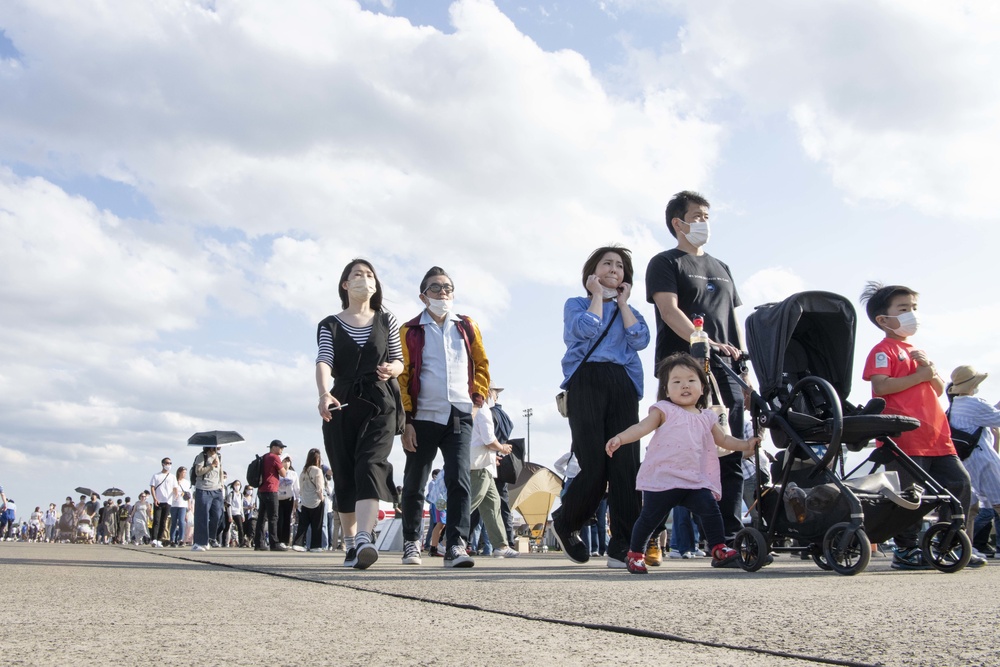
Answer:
x=428 y=381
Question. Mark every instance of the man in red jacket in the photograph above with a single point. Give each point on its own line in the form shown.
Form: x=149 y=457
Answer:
x=267 y=496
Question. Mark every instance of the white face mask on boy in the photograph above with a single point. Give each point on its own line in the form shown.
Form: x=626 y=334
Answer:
x=908 y=324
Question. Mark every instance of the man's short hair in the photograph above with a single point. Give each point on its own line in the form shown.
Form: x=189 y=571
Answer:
x=678 y=205
x=878 y=297
x=432 y=272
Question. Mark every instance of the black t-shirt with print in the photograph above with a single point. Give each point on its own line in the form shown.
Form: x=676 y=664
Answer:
x=703 y=286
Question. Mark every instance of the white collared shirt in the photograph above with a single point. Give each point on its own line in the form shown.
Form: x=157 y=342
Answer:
x=444 y=371
x=482 y=457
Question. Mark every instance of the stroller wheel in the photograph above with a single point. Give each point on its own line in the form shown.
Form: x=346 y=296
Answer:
x=751 y=549
x=947 y=547
x=846 y=548
x=816 y=550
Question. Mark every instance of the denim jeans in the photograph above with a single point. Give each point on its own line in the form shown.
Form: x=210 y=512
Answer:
x=981 y=527
x=207 y=514
x=454 y=447
x=178 y=524
x=657 y=504
x=682 y=532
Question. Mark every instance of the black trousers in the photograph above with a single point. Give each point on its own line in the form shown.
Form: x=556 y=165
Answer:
x=267 y=515
x=602 y=403
x=285 y=508
x=454 y=445
x=358 y=443
x=310 y=517
x=161 y=513
x=730 y=466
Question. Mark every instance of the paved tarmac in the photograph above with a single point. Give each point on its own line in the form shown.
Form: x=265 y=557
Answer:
x=104 y=605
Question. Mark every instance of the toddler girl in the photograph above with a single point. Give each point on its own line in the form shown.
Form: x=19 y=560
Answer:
x=681 y=465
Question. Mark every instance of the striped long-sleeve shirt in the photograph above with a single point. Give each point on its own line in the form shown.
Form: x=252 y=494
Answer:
x=360 y=336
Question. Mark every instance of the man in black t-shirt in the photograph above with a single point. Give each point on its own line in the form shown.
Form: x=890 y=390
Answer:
x=685 y=282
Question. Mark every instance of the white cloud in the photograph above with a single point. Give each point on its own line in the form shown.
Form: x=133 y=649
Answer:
x=770 y=285
x=890 y=97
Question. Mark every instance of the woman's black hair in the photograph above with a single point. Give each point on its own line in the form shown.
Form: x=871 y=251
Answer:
x=313 y=458
x=590 y=266
x=687 y=361
x=345 y=301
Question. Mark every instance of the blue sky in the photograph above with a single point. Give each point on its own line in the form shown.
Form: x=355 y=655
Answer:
x=180 y=184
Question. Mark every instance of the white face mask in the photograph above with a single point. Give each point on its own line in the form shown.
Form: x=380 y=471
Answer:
x=439 y=307
x=908 y=324
x=699 y=234
x=610 y=293
x=361 y=288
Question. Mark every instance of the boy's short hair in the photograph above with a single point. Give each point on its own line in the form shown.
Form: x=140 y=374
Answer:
x=878 y=297
x=677 y=207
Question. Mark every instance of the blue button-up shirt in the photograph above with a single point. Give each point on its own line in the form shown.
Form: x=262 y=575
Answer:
x=621 y=346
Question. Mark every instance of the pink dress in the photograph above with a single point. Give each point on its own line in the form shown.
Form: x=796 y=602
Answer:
x=682 y=453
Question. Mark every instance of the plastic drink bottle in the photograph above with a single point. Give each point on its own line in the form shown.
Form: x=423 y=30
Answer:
x=700 y=348
x=795 y=503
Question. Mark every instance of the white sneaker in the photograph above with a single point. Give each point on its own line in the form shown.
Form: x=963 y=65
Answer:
x=616 y=564
x=689 y=554
x=296 y=547
x=156 y=544
x=199 y=547
x=700 y=553
x=674 y=553
x=317 y=551
x=411 y=553
x=505 y=552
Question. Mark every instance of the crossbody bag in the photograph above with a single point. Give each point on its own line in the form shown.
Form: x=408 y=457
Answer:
x=563 y=396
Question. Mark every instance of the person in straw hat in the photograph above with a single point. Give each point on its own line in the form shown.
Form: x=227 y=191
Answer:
x=968 y=413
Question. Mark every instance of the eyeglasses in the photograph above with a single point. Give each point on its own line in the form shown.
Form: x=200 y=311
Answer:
x=439 y=289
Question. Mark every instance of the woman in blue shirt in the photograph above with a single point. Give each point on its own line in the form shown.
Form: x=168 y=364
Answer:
x=603 y=379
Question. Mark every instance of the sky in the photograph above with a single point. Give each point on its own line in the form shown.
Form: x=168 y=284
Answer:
x=182 y=182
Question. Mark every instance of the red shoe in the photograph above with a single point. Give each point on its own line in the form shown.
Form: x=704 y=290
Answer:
x=635 y=562
x=722 y=555
x=434 y=552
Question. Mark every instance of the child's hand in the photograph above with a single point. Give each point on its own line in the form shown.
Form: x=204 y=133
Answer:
x=613 y=445
x=920 y=357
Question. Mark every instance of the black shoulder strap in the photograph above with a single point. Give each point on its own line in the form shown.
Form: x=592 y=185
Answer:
x=594 y=346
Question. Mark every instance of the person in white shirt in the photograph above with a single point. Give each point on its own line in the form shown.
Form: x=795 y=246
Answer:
x=161 y=489
x=483 y=449
x=445 y=373
x=178 y=508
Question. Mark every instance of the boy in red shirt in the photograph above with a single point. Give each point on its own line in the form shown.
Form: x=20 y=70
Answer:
x=907 y=380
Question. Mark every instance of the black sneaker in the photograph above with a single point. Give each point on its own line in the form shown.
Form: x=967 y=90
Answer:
x=457 y=556
x=367 y=553
x=911 y=558
x=570 y=542
x=351 y=559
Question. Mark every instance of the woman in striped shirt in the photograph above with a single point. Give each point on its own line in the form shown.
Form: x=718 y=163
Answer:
x=360 y=354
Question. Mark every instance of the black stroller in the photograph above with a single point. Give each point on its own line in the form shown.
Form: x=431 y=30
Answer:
x=803 y=353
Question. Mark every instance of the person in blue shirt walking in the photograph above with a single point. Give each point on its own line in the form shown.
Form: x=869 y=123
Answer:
x=603 y=380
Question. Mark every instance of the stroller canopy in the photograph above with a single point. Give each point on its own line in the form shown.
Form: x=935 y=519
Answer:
x=809 y=333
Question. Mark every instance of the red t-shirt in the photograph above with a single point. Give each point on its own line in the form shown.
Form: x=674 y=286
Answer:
x=270 y=465
x=892 y=358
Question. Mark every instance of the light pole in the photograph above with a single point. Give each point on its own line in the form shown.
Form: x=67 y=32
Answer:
x=527 y=413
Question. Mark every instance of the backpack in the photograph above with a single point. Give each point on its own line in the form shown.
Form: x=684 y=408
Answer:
x=965 y=442
x=255 y=472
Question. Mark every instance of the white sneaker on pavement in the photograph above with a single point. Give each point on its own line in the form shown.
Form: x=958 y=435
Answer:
x=506 y=552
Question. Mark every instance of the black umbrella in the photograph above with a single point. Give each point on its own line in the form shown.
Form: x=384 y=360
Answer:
x=113 y=491
x=85 y=491
x=214 y=439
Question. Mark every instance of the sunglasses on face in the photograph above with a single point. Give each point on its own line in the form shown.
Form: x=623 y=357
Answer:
x=440 y=289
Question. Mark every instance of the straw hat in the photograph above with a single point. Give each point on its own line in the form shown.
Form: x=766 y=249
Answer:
x=964 y=380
